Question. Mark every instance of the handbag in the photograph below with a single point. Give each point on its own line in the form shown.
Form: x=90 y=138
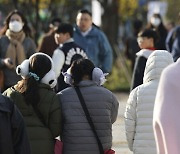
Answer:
x=83 y=104
x=109 y=151
x=58 y=147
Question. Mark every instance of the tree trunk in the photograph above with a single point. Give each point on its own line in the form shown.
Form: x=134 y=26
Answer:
x=37 y=20
x=110 y=20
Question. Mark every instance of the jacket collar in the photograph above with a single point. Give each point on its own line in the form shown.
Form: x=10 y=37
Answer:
x=144 y=53
x=86 y=83
x=86 y=32
x=68 y=41
x=93 y=31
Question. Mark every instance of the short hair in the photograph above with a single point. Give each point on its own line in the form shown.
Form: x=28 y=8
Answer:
x=65 y=28
x=149 y=33
x=85 y=11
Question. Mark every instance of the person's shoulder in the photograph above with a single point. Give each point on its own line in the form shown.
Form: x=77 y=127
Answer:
x=76 y=29
x=47 y=91
x=6 y=104
x=103 y=90
x=144 y=53
x=48 y=36
x=29 y=40
x=77 y=46
x=3 y=37
x=172 y=68
x=97 y=31
x=66 y=93
x=66 y=90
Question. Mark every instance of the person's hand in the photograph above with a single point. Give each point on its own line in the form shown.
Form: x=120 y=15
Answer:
x=8 y=62
x=20 y=86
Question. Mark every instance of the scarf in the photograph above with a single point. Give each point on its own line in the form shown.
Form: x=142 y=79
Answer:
x=15 y=50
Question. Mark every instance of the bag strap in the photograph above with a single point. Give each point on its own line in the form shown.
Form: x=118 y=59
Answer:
x=83 y=104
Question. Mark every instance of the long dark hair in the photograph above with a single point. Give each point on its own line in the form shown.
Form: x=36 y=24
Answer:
x=26 y=28
x=161 y=28
x=80 y=68
x=40 y=65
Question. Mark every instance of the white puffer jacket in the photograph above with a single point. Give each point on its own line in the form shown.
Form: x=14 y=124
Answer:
x=140 y=105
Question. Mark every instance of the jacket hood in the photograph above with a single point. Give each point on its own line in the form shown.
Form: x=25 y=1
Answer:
x=156 y=62
x=86 y=83
x=144 y=53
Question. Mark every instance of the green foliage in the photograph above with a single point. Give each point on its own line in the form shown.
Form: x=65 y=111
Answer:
x=173 y=9
x=117 y=80
x=127 y=8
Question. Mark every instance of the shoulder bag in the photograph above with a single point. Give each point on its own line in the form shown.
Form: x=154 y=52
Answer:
x=83 y=104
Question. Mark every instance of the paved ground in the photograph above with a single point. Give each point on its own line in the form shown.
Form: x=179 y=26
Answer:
x=119 y=138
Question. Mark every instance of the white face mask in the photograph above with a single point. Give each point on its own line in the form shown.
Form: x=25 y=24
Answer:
x=155 y=21
x=15 y=26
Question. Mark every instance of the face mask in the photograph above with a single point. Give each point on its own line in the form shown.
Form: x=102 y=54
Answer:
x=155 y=21
x=15 y=26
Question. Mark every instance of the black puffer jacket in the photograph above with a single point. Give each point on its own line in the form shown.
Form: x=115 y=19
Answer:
x=13 y=137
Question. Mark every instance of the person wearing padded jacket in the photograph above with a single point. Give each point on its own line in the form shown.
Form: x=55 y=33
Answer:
x=77 y=135
x=13 y=135
x=166 y=111
x=37 y=102
x=146 y=41
x=140 y=105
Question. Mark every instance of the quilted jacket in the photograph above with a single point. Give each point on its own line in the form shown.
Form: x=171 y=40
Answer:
x=77 y=135
x=140 y=105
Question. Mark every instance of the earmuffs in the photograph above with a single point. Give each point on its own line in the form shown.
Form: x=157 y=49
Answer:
x=97 y=76
x=49 y=78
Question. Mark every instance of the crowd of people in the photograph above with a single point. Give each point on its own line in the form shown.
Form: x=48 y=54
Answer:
x=39 y=102
x=153 y=100
x=41 y=88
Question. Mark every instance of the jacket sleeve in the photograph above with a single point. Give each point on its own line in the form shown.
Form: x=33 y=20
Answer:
x=106 y=53
x=19 y=134
x=58 y=58
x=114 y=109
x=130 y=118
x=55 y=117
